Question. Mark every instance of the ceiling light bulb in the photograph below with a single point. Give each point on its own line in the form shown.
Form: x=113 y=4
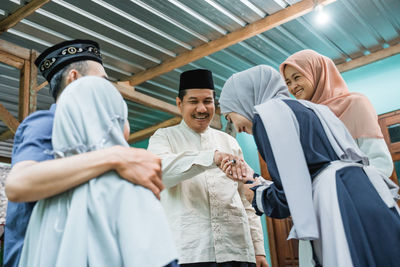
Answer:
x=321 y=17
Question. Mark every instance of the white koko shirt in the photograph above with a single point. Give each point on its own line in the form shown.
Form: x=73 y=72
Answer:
x=210 y=218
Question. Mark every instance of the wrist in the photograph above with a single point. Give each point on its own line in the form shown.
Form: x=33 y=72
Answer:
x=114 y=157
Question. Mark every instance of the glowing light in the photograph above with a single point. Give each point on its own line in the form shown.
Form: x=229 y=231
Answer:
x=321 y=16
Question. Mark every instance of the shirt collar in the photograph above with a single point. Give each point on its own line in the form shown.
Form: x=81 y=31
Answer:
x=185 y=126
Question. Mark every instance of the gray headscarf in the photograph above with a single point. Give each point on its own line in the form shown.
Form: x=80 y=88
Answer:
x=246 y=89
x=88 y=119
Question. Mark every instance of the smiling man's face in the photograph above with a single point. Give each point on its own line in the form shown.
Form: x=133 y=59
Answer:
x=197 y=108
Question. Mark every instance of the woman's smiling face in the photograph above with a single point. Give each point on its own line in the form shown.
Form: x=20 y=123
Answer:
x=299 y=86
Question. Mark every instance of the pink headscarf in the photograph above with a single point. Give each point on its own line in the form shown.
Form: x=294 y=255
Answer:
x=353 y=109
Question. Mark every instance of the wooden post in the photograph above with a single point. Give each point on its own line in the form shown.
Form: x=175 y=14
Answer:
x=24 y=83
x=32 y=82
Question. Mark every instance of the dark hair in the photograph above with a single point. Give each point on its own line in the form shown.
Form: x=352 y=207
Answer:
x=182 y=93
x=58 y=81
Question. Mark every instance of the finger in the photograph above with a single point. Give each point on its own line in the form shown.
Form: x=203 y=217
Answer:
x=239 y=170
x=158 y=182
x=244 y=168
x=224 y=160
x=153 y=188
x=234 y=171
x=229 y=173
x=225 y=166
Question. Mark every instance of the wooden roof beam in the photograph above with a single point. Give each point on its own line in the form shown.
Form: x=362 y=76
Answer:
x=364 y=60
x=6 y=135
x=260 y=26
x=129 y=93
x=145 y=133
x=15 y=50
x=20 y=14
x=8 y=119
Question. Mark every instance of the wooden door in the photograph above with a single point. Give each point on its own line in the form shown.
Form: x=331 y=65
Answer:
x=390 y=126
x=284 y=253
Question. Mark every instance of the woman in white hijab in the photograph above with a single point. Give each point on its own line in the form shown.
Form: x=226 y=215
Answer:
x=106 y=221
x=320 y=177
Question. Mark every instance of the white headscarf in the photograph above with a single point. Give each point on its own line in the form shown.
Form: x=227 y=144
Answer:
x=246 y=89
x=88 y=119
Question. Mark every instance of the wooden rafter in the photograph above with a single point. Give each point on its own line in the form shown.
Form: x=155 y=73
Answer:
x=364 y=60
x=262 y=25
x=41 y=86
x=5 y=159
x=20 y=14
x=129 y=93
x=11 y=60
x=6 y=135
x=8 y=119
x=143 y=134
x=15 y=50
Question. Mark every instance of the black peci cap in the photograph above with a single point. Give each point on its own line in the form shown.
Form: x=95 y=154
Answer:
x=196 y=79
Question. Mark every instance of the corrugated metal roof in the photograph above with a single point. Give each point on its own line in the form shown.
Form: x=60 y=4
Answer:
x=139 y=34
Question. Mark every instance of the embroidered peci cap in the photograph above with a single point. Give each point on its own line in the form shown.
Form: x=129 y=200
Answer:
x=54 y=58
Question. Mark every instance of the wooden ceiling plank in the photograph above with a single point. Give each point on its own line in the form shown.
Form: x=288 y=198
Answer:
x=20 y=14
x=364 y=60
x=260 y=26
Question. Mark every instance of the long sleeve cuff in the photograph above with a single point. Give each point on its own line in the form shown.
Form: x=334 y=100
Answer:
x=259 y=248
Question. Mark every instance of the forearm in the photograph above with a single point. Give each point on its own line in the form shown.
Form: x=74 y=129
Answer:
x=179 y=167
x=378 y=154
x=254 y=223
x=31 y=181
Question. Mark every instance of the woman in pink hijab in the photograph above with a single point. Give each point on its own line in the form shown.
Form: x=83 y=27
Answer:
x=314 y=77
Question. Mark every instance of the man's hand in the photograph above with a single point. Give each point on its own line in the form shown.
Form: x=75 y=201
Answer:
x=261 y=261
x=237 y=167
x=141 y=167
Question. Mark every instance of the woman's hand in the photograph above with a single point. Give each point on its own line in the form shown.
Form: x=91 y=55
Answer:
x=237 y=170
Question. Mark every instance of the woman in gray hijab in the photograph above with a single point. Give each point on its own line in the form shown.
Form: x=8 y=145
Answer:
x=319 y=176
x=106 y=221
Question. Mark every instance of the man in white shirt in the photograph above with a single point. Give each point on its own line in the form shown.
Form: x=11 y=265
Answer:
x=212 y=222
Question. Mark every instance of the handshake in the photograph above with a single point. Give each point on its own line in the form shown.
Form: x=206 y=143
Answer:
x=233 y=166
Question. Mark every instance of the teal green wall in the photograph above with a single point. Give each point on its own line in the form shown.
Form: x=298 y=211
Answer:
x=141 y=144
x=379 y=82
